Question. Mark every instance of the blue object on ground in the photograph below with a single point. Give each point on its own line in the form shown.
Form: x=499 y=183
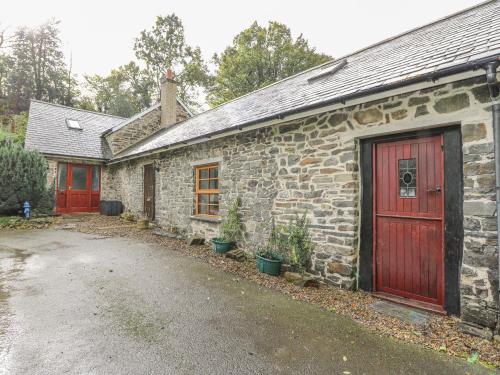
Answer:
x=26 y=210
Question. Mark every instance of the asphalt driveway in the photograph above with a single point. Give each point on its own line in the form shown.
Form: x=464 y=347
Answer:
x=80 y=304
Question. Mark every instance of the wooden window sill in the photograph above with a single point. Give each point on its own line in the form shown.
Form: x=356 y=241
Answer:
x=210 y=219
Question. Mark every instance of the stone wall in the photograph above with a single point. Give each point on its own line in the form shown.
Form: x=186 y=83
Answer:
x=51 y=171
x=312 y=166
x=140 y=128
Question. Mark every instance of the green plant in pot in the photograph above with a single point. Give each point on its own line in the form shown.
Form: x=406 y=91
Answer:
x=300 y=245
x=270 y=259
x=230 y=229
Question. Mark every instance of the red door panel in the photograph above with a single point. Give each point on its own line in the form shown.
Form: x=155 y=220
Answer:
x=61 y=191
x=408 y=219
x=78 y=188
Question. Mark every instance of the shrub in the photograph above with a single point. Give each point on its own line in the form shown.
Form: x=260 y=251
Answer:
x=277 y=243
x=128 y=216
x=230 y=228
x=47 y=201
x=299 y=243
x=292 y=242
x=23 y=177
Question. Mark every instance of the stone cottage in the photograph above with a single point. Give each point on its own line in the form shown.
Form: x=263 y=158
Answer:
x=390 y=151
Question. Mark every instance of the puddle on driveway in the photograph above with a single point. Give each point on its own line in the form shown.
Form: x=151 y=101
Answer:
x=12 y=263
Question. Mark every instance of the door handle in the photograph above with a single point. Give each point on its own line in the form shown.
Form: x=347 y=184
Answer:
x=437 y=189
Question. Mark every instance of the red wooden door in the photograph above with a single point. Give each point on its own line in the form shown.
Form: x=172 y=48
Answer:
x=78 y=188
x=409 y=218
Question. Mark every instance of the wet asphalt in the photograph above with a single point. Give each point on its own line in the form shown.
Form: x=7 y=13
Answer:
x=73 y=303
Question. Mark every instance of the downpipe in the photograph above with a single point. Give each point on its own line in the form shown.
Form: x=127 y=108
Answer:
x=491 y=79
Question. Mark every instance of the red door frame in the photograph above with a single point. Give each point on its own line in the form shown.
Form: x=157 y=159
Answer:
x=68 y=192
x=416 y=301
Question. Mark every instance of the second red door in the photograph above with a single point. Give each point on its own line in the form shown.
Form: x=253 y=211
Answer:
x=408 y=220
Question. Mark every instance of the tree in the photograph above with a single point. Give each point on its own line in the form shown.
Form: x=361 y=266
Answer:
x=34 y=67
x=164 y=47
x=124 y=92
x=23 y=177
x=258 y=57
x=14 y=128
x=6 y=64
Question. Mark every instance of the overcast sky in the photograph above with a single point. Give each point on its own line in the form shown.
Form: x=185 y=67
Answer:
x=100 y=33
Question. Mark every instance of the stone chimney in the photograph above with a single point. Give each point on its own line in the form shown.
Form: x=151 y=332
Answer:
x=168 y=97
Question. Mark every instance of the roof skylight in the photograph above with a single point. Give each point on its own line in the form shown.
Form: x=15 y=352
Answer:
x=73 y=124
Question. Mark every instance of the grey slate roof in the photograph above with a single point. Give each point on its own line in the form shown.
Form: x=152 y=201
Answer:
x=48 y=133
x=459 y=39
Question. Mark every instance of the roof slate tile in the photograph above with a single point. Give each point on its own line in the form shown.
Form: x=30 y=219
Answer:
x=49 y=134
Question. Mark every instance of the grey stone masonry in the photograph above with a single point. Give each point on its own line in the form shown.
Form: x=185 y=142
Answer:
x=312 y=165
x=141 y=128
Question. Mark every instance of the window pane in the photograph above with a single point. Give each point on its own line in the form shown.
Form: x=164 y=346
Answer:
x=79 y=178
x=207 y=178
x=95 y=178
x=214 y=172
x=203 y=173
x=213 y=210
x=62 y=172
x=407 y=178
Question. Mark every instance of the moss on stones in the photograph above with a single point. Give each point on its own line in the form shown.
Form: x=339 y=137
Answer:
x=452 y=103
x=418 y=100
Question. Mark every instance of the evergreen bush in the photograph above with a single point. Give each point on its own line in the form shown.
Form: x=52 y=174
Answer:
x=300 y=244
x=230 y=228
x=23 y=177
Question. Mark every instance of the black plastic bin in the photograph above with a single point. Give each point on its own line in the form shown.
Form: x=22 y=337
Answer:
x=111 y=208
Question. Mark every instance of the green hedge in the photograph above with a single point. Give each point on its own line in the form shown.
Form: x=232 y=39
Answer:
x=23 y=177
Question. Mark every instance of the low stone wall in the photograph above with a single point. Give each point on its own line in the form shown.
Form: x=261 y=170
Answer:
x=312 y=166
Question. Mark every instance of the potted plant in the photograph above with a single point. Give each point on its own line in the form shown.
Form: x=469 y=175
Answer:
x=269 y=262
x=270 y=259
x=230 y=229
